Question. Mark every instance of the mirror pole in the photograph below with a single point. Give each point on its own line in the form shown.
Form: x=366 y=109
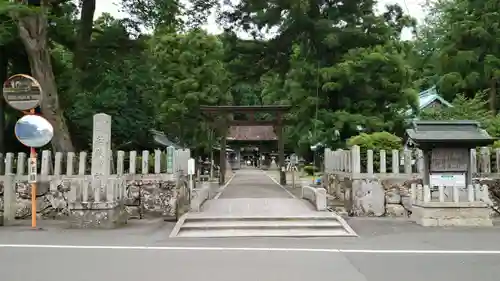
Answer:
x=33 y=193
x=33 y=186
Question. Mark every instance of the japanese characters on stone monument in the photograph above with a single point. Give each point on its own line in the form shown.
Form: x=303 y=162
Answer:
x=101 y=145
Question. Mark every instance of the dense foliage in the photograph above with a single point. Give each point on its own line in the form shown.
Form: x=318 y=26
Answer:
x=376 y=141
x=342 y=66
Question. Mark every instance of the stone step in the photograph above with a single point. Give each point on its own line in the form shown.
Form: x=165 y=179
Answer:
x=320 y=225
x=336 y=232
x=267 y=224
x=325 y=217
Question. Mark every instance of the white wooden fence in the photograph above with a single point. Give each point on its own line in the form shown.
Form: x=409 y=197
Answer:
x=354 y=160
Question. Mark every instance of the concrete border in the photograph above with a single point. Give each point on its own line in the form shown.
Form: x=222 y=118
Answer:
x=282 y=187
x=346 y=226
x=222 y=188
x=178 y=226
x=198 y=197
x=317 y=196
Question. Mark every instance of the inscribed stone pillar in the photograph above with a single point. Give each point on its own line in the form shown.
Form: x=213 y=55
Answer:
x=101 y=145
x=105 y=209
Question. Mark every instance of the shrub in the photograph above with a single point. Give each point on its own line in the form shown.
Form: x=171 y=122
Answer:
x=309 y=170
x=376 y=142
x=496 y=144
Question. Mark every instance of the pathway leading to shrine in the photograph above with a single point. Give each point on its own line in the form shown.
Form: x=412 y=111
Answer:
x=253 y=183
x=253 y=204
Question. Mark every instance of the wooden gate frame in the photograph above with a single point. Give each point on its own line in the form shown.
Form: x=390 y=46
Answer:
x=222 y=117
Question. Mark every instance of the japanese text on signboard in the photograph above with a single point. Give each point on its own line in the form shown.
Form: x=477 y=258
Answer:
x=449 y=159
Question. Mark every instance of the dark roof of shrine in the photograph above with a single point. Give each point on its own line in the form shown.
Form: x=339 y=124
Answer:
x=162 y=139
x=455 y=132
x=251 y=133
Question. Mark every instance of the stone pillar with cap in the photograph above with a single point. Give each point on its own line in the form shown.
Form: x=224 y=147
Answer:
x=104 y=206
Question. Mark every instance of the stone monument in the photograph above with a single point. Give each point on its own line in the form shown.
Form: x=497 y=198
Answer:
x=446 y=171
x=101 y=203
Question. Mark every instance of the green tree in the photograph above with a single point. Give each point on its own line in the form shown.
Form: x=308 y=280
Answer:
x=460 y=50
x=341 y=67
x=188 y=72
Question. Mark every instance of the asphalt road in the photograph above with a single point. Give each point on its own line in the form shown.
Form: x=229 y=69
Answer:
x=219 y=265
x=387 y=249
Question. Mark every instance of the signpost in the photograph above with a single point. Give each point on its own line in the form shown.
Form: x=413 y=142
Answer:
x=23 y=92
x=32 y=171
x=447 y=179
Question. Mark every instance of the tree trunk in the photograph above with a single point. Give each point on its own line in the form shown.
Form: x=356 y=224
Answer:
x=84 y=34
x=33 y=34
x=4 y=64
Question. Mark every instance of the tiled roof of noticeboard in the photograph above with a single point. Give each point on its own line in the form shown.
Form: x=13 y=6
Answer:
x=457 y=131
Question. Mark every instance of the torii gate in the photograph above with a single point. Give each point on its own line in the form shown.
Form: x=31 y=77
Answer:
x=225 y=120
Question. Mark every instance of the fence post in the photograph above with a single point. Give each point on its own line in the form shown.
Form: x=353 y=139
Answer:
x=407 y=161
x=473 y=161
x=383 y=162
x=145 y=162
x=395 y=161
x=485 y=160
x=9 y=198
x=369 y=161
x=355 y=160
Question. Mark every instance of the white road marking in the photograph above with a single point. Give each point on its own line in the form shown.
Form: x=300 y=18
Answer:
x=276 y=182
x=224 y=187
x=231 y=249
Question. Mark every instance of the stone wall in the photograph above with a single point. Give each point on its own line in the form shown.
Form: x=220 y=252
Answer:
x=493 y=183
x=383 y=178
x=51 y=204
x=146 y=196
x=386 y=195
x=153 y=197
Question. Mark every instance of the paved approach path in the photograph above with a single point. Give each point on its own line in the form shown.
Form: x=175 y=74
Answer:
x=253 y=183
x=251 y=192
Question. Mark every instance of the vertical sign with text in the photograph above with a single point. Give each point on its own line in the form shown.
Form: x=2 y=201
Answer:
x=32 y=170
x=170 y=159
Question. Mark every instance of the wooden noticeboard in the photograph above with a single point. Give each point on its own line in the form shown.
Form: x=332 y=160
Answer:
x=449 y=160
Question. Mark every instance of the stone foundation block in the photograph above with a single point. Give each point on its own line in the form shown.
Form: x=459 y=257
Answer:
x=198 y=197
x=98 y=218
x=451 y=216
x=317 y=196
x=395 y=210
